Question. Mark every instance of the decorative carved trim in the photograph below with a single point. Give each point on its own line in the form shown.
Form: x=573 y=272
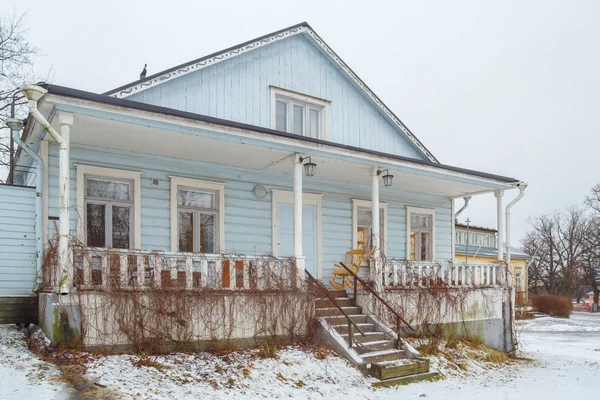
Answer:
x=184 y=70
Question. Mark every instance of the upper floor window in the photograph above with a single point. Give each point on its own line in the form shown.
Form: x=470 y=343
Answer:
x=299 y=114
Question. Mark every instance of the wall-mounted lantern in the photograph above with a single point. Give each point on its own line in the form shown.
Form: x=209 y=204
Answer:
x=309 y=167
x=387 y=178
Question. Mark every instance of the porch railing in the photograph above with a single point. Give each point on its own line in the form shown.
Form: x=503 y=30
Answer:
x=402 y=273
x=135 y=269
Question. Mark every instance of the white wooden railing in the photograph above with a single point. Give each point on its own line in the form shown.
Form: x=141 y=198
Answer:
x=109 y=268
x=402 y=273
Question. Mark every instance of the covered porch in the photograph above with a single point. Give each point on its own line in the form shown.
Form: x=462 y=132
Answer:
x=279 y=196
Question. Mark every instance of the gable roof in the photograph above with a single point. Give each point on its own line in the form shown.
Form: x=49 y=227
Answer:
x=301 y=28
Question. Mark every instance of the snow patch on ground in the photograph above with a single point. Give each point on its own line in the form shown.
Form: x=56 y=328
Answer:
x=565 y=354
x=22 y=374
x=241 y=375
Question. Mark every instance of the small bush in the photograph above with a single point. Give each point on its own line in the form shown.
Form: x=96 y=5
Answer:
x=556 y=306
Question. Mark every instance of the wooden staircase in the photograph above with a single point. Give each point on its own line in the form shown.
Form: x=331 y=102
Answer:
x=376 y=352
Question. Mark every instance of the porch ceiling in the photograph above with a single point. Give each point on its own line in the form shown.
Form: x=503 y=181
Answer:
x=102 y=132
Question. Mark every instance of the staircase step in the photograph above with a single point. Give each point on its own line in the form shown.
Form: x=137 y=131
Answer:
x=376 y=345
x=325 y=312
x=399 y=368
x=341 y=320
x=365 y=327
x=340 y=301
x=338 y=293
x=404 y=380
x=383 y=355
x=369 y=337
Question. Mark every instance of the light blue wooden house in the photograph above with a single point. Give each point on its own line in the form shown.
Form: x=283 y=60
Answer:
x=270 y=147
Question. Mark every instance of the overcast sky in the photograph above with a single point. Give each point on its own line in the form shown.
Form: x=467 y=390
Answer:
x=510 y=88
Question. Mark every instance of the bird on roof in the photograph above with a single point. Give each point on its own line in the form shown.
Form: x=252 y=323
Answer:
x=143 y=73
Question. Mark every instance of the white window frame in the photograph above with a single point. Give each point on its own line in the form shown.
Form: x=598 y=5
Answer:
x=217 y=187
x=308 y=101
x=108 y=173
x=368 y=204
x=418 y=210
x=308 y=199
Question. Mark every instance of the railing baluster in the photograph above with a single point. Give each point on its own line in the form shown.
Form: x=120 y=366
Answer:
x=494 y=275
x=246 y=274
x=140 y=270
x=219 y=273
x=155 y=264
x=189 y=277
x=105 y=270
x=203 y=273
x=87 y=268
x=394 y=274
x=403 y=273
x=123 y=266
x=232 y=274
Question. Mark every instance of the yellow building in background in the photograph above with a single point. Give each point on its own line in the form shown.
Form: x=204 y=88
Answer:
x=480 y=246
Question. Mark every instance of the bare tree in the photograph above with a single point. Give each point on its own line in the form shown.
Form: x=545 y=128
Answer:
x=16 y=68
x=560 y=244
x=593 y=242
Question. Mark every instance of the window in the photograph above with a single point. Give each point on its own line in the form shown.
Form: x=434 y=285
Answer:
x=197 y=215
x=518 y=279
x=420 y=234
x=362 y=218
x=108 y=212
x=299 y=114
x=109 y=201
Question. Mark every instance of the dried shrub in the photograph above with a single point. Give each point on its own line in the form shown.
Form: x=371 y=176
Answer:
x=556 y=306
x=268 y=350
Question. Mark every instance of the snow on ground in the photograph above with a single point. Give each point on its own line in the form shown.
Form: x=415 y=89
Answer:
x=22 y=374
x=565 y=353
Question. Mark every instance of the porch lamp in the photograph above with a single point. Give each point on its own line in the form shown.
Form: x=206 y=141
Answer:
x=387 y=178
x=309 y=167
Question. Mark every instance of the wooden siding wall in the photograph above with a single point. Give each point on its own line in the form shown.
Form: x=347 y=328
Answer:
x=17 y=240
x=248 y=219
x=238 y=89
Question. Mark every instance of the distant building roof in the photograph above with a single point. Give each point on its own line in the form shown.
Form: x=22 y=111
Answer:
x=487 y=251
x=483 y=228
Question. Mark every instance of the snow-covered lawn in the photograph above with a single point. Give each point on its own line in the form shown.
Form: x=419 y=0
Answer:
x=565 y=353
x=22 y=374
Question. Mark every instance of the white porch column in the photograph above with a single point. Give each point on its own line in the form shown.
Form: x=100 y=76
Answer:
x=375 y=239
x=499 y=194
x=66 y=276
x=298 y=252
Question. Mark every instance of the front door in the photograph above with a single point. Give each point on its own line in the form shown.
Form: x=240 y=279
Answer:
x=285 y=234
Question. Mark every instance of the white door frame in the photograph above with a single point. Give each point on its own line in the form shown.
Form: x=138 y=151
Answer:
x=308 y=199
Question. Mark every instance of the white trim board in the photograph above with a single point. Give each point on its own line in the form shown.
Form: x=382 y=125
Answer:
x=134 y=176
x=311 y=199
x=196 y=65
x=218 y=187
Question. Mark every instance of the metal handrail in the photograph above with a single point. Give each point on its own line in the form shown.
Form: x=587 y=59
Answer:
x=324 y=290
x=366 y=286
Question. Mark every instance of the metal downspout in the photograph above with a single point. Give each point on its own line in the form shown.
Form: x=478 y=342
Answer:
x=464 y=207
x=522 y=187
x=34 y=94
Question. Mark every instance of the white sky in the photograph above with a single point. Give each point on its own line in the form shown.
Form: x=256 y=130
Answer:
x=509 y=88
